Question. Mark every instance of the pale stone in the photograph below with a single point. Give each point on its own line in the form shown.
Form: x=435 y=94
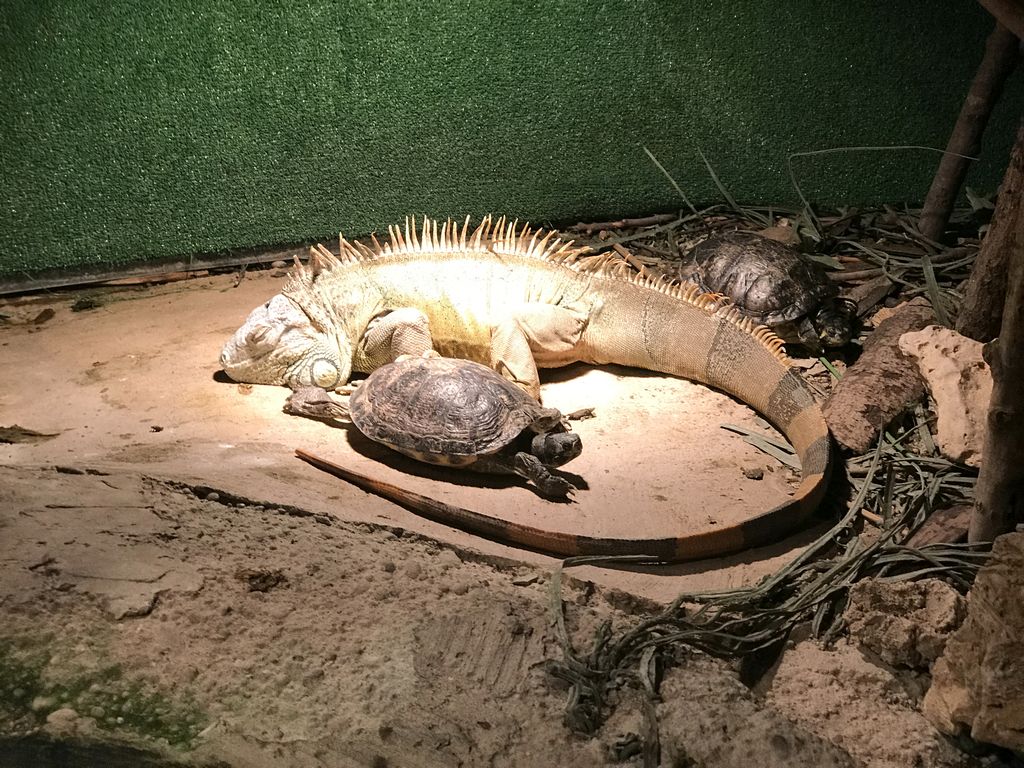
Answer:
x=978 y=682
x=63 y=722
x=960 y=384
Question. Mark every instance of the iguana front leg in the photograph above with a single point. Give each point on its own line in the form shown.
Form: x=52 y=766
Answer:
x=404 y=331
x=512 y=357
x=543 y=334
x=315 y=403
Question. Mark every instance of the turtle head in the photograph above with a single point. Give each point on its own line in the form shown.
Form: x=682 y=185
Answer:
x=835 y=321
x=556 y=448
x=280 y=343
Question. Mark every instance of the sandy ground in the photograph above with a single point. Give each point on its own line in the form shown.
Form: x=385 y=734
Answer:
x=171 y=572
x=136 y=384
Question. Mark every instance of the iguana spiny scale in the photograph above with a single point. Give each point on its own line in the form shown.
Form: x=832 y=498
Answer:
x=515 y=299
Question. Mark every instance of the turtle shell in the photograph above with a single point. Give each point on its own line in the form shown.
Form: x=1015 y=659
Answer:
x=442 y=410
x=766 y=280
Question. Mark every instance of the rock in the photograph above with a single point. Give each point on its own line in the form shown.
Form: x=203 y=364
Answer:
x=978 y=682
x=707 y=717
x=883 y=314
x=841 y=695
x=260 y=580
x=448 y=559
x=62 y=722
x=960 y=384
x=413 y=570
x=906 y=623
x=128 y=579
x=43 y=703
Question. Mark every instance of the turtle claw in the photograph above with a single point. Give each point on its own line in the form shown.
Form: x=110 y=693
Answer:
x=551 y=486
x=556 y=487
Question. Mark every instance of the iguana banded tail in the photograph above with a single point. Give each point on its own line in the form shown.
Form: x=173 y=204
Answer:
x=515 y=300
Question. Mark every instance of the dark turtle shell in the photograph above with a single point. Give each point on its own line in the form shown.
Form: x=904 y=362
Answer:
x=442 y=410
x=769 y=281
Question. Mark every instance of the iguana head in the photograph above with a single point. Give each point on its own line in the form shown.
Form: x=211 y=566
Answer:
x=280 y=343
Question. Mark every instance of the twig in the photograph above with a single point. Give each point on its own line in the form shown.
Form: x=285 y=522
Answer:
x=861 y=274
x=644 y=221
x=1009 y=13
x=1002 y=50
x=632 y=260
x=832 y=150
x=1000 y=498
x=871 y=517
x=718 y=183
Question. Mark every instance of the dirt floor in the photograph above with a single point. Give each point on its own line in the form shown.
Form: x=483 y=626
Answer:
x=171 y=573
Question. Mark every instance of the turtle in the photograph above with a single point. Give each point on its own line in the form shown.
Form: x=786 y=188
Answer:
x=777 y=286
x=459 y=413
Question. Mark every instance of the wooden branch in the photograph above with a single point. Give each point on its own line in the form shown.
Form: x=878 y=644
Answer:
x=944 y=526
x=646 y=221
x=999 y=494
x=985 y=291
x=869 y=294
x=880 y=385
x=855 y=275
x=1002 y=50
x=1009 y=13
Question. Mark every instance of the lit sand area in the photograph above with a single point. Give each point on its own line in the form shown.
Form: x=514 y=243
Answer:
x=134 y=385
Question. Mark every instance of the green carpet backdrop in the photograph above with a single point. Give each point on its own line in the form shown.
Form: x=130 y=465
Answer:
x=148 y=130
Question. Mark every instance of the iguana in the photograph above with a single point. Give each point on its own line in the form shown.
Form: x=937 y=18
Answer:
x=515 y=299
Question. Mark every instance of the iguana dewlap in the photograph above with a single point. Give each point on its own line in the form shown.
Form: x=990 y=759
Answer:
x=516 y=300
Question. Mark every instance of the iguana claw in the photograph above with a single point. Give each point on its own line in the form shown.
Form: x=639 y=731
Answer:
x=315 y=403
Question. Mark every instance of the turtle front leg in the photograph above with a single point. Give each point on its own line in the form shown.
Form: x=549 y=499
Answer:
x=808 y=337
x=530 y=467
x=553 y=449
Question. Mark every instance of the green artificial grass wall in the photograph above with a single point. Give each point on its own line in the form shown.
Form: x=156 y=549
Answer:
x=148 y=130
